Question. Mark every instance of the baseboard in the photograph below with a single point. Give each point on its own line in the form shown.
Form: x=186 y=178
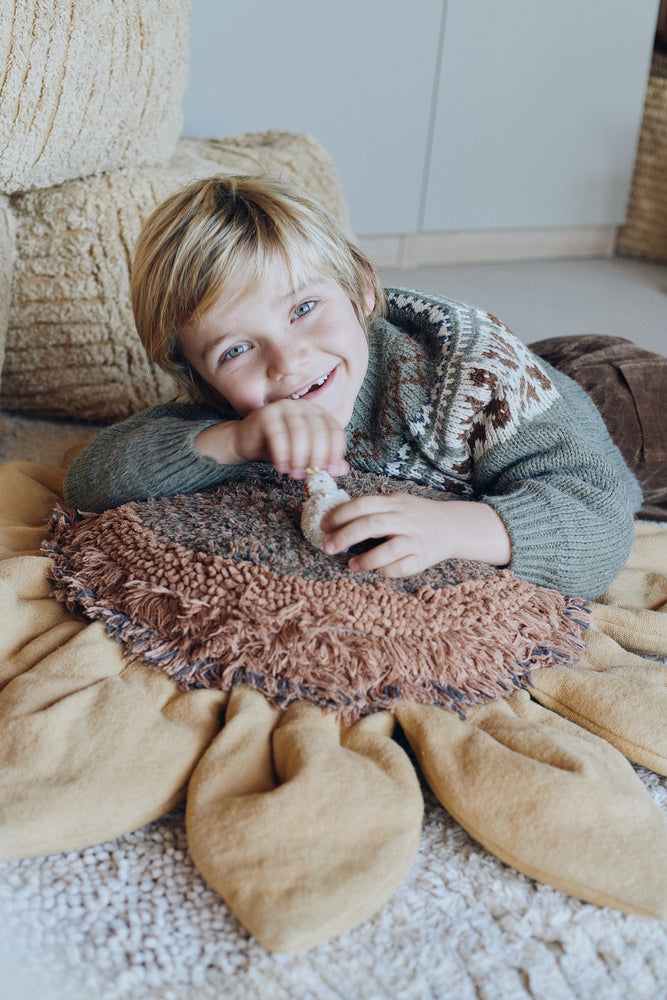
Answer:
x=489 y=245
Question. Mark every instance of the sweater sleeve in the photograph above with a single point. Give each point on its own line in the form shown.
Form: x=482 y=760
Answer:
x=150 y=455
x=568 y=513
x=565 y=495
x=478 y=413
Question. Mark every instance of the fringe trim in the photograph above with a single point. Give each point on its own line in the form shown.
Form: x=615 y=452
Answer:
x=352 y=648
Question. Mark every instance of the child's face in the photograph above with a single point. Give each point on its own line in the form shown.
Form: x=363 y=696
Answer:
x=273 y=342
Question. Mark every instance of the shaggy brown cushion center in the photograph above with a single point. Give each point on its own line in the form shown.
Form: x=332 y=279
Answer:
x=220 y=588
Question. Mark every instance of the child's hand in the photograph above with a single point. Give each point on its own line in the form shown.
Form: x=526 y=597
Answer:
x=293 y=435
x=417 y=533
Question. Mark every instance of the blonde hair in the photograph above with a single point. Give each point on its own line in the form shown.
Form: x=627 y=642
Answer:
x=222 y=232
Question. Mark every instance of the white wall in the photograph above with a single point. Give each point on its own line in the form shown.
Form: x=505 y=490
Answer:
x=441 y=114
x=538 y=112
x=357 y=74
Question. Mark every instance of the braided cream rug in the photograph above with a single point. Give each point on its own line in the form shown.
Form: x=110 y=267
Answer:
x=133 y=920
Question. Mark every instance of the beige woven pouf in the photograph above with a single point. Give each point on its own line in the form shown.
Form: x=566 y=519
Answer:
x=645 y=231
x=89 y=85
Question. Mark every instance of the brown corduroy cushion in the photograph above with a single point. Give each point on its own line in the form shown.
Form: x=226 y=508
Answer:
x=628 y=385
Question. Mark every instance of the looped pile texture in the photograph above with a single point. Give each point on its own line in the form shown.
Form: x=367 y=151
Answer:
x=220 y=588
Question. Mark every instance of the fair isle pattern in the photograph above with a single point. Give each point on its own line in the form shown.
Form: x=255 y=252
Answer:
x=486 y=381
x=473 y=387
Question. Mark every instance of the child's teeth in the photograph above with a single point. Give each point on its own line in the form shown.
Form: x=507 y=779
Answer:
x=298 y=395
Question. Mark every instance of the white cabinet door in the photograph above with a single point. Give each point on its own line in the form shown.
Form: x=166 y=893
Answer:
x=538 y=112
x=358 y=74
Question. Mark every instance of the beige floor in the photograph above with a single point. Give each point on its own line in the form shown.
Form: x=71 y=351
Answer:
x=539 y=299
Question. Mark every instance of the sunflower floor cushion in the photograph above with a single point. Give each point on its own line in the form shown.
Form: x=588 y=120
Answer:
x=303 y=799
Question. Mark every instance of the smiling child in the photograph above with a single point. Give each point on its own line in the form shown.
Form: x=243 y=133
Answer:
x=288 y=350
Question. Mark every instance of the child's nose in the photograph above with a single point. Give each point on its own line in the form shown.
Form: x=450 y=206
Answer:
x=285 y=359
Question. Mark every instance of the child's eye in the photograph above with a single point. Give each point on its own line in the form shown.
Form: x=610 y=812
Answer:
x=234 y=352
x=303 y=308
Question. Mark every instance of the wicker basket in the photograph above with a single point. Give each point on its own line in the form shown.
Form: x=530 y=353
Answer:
x=645 y=231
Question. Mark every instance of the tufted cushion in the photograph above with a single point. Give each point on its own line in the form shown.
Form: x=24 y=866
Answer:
x=220 y=588
x=89 y=85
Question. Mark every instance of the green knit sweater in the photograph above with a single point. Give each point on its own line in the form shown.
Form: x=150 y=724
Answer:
x=450 y=398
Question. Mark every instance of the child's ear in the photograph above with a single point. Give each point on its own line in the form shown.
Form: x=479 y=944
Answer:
x=369 y=299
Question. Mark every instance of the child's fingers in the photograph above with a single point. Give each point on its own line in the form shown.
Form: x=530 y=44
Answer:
x=289 y=440
x=334 y=466
x=307 y=437
x=357 y=521
x=392 y=558
x=396 y=521
x=311 y=447
x=324 y=449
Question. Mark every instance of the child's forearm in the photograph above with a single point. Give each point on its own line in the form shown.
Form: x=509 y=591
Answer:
x=218 y=442
x=478 y=532
x=151 y=454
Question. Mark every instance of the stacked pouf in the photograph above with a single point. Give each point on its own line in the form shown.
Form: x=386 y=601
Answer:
x=90 y=124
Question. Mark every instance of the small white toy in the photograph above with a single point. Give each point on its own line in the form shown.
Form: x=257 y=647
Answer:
x=322 y=495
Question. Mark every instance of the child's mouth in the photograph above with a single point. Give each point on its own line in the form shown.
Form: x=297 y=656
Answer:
x=313 y=388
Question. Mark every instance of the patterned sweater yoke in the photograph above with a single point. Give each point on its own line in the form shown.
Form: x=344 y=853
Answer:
x=457 y=385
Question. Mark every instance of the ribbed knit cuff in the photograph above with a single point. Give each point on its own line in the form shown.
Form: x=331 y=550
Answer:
x=577 y=555
x=183 y=468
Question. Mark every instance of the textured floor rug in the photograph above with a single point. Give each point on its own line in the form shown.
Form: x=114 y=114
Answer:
x=133 y=920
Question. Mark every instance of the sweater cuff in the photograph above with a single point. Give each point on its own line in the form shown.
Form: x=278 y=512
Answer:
x=548 y=549
x=183 y=468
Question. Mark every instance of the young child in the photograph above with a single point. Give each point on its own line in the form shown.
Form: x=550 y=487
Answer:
x=289 y=352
